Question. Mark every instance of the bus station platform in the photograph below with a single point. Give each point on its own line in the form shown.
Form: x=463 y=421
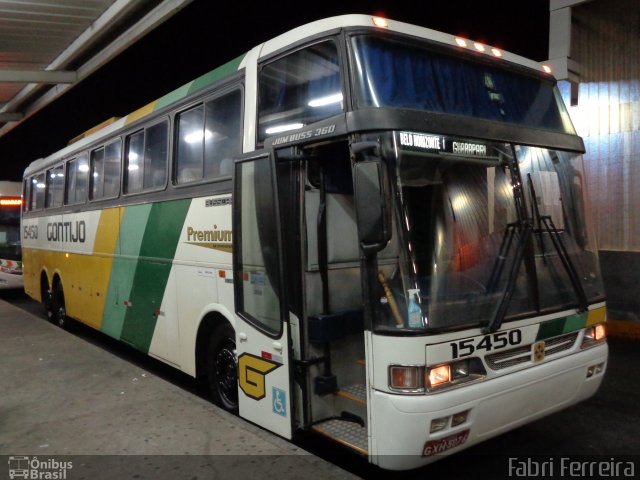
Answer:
x=64 y=399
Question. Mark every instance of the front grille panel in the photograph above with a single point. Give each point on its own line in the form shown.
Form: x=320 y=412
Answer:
x=523 y=355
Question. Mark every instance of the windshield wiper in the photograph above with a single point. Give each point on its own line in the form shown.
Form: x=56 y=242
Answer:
x=524 y=230
x=547 y=222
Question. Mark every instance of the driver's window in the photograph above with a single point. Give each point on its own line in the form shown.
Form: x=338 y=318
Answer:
x=298 y=89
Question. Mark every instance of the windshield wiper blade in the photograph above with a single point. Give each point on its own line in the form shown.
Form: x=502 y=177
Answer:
x=545 y=222
x=498 y=266
x=525 y=233
x=554 y=234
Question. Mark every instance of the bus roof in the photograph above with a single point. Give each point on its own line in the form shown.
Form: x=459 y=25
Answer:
x=276 y=44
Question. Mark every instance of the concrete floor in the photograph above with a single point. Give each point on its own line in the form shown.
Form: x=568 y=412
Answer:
x=60 y=395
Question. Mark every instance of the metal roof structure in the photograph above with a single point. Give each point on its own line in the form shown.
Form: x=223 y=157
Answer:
x=48 y=46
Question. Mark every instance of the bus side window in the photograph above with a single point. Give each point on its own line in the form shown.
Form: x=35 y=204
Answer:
x=112 y=154
x=209 y=136
x=190 y=145
x=134 y=163
x=223 y=120
x=155 y=156
x=77 y=180
x=97 y=173
x=55 y=187
x=146 y=159
x=26 y=195
x=105 y=171
x=37 y=192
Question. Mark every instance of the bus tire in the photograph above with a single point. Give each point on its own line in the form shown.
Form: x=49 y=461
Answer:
x=58 y=308
x=222 y=370
x=45 y=295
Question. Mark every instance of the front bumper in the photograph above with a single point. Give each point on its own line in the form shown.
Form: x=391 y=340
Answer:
x=400 y=424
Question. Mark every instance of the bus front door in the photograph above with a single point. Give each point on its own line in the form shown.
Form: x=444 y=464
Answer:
x=262 y=328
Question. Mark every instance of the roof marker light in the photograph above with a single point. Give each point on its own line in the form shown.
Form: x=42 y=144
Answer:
x=479 y=47
x=546 y=68
x=461 y=41
x=380 y=22
x=496 y=52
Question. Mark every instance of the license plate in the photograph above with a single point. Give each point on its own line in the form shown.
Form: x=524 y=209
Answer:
x=433 y=447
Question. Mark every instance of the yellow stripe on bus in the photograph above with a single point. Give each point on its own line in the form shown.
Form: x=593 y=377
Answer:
x=597 y=315
x=86 y=280
x=140 y=113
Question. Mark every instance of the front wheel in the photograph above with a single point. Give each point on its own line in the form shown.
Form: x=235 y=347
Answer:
x=222 y=368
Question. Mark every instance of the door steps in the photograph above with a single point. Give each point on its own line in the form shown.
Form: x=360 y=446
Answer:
x=345 y=432
x=355 y=393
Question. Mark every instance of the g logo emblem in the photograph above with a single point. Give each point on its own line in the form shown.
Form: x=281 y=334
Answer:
x=252 y=370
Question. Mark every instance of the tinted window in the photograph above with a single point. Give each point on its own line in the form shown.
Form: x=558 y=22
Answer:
x=146 y=159
x=37 y=192
x=155 y=156
x=299 y=89
x=397 y=74
x=97 y=173
x=77 y=180
x=112 y=169
x=134 y=163
x=209 y=136
x=55 y=187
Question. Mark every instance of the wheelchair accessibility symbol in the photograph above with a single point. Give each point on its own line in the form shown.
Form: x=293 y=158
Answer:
x=279 y=398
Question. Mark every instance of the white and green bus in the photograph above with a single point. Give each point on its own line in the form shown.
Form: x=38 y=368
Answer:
x=10 y=251
x=363 y=228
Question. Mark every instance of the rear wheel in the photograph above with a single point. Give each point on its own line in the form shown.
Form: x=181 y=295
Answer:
x=45 y=295
x=222 y=370
x=59 y=311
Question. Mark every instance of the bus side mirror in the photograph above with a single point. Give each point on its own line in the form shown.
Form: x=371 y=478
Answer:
x=371 y=208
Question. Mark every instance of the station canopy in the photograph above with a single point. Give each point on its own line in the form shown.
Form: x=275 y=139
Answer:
x=48 y=46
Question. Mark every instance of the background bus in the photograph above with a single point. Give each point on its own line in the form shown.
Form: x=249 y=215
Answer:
x=362 y=228
x=10 y=252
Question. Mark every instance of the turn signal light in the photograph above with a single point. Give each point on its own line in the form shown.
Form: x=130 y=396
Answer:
x=408 y=378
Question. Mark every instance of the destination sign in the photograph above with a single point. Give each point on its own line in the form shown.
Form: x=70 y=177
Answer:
x=437 y=143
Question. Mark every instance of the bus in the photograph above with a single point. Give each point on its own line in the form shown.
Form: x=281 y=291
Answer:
x=361 y=228
x=10 y=252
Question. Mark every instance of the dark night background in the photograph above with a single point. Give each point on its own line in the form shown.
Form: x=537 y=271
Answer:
x=208 y=33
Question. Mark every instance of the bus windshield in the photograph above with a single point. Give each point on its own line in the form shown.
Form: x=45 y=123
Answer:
x=399 y=74
x=465 y=228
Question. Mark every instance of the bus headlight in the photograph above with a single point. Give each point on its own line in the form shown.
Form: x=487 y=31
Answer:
x=455 y=373
x=594 y=335
x=418 y=379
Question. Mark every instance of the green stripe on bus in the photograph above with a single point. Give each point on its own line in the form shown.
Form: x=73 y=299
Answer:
x=560 y=326
x=216 y=75
x=205 y=80
x=124 y=267
x=172 y=97
x=157 y=251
